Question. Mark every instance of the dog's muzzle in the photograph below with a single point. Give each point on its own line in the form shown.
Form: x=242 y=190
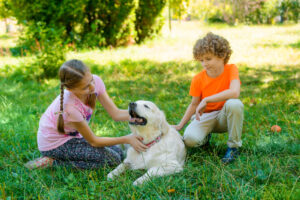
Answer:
x=133 y=114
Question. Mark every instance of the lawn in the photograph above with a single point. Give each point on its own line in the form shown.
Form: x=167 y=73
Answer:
x=268 y=58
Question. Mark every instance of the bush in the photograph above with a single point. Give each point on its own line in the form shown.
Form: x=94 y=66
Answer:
x=289 y=10
x=245 y=11
x=93 y=23
x=49 y=50
x=149 y=19
x=109 y=23
x=52 y=25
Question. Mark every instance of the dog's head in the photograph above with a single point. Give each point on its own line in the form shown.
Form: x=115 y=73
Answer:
x=149 y=115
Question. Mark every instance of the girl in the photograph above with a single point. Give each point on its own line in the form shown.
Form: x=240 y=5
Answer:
x=64 y=136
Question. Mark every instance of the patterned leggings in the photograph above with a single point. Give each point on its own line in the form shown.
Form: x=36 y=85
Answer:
x=78 y=153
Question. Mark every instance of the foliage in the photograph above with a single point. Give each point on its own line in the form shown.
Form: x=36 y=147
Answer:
x=4 y=9
x=245 y=11
x=179 y=8
x=289 y=10
x=148 y=18
x=108 y=23
x=84 y=23
x=48 y=47
x=94 y=23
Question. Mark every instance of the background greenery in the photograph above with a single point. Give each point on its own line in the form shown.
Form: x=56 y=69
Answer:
x=268 y=58
x=51 y=28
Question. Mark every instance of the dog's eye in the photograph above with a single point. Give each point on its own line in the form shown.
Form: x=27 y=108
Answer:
x=146 y=106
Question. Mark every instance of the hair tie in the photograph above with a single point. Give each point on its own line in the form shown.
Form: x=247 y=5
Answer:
x=59 y=113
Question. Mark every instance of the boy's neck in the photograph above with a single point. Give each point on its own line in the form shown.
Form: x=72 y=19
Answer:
x=217 y=72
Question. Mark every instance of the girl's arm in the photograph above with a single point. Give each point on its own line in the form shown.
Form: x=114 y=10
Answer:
x=232 y=93
x=188 y=113
x=84 y=129
x=115 y=113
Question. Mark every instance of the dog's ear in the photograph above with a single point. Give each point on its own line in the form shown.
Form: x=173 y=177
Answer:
x=164 y=126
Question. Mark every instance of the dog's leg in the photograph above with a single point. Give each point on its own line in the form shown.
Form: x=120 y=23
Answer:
x=119 y=170
x=156 y=171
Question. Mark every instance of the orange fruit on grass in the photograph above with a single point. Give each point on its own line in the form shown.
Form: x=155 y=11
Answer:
x=171 y=190
x=275 y=128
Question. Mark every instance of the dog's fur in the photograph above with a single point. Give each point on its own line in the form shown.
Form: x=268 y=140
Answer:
x=164 y=157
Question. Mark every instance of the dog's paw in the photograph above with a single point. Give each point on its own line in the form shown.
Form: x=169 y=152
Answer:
x=110 y=176
x=135 y=183
x=138 y=181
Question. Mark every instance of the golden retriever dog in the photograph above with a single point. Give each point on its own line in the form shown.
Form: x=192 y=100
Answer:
x=166 y=151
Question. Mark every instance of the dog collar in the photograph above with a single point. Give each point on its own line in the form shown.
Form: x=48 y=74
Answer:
x=154 y=141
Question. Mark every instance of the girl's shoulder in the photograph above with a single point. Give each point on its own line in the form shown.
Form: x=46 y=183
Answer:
x=99 y=84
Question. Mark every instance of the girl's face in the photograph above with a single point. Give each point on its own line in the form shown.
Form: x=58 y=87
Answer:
x=213 y=64
x=85 y=87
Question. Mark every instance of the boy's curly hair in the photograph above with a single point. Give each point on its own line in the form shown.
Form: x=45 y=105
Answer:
x=213 y=44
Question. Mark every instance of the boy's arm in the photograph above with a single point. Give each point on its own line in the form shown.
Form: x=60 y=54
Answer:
x=188 y=113
x=232 y=93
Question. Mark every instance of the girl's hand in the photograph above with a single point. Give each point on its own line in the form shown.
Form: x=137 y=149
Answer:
x=135 y=142
x=200 y=109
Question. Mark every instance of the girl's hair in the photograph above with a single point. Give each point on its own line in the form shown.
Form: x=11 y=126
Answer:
x=213 y=44
x=70 y=74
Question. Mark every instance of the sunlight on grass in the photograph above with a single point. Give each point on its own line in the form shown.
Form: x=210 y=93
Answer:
x=249 y=44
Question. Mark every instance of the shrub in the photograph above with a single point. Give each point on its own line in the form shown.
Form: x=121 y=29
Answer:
x=91 y=23
x=109 y=22
x=49 y=49
x=245 y=11
x=289 y=10
x=149 y=19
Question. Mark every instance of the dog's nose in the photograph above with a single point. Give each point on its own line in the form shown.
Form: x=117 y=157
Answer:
x=132 y=105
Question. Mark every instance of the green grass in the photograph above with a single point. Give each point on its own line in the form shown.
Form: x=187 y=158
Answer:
x=268 y=58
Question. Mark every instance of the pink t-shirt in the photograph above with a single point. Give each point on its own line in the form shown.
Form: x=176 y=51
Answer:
x=74 y=111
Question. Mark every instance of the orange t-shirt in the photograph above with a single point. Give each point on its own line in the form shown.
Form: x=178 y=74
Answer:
x=204 y=86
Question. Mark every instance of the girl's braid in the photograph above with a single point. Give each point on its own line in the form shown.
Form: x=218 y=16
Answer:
x=60 y=125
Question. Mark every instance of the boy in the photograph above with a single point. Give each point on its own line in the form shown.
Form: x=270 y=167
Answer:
x=215 y=91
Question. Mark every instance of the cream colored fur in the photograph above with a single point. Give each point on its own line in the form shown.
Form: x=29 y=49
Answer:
x=164 y=157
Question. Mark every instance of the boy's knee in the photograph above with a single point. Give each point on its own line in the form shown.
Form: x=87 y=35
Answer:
x=234 y=105
x=190 y=141
x=194 y=140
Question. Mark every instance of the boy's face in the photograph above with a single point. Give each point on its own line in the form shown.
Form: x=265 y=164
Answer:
x=212 y=63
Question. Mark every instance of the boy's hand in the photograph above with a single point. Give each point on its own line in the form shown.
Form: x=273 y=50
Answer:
x=177 y=127
x=200 y=109
x=135 y=142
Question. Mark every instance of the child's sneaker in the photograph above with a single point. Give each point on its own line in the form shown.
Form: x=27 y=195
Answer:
x=41 y=162
x=230 y=155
